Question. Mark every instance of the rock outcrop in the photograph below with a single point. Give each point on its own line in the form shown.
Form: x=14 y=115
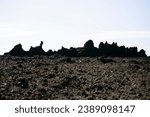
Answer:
x=17 y=51
x=114 y=50
x=38 y=50
x=88 y=50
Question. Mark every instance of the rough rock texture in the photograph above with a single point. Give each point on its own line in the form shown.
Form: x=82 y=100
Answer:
x=57 y=77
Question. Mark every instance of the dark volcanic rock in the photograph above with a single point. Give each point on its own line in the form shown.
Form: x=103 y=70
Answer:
x=72 y=52
x=88 y=50
x=67 y=59
x=86 y=78
x=105 y=60
x=114 y=50
x=23 y=83
x=36 y=50
x=142 y=53
x=49 y=52
x=17 y=51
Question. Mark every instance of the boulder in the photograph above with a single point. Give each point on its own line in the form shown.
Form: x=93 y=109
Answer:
x=142 y=53
x=89 y=49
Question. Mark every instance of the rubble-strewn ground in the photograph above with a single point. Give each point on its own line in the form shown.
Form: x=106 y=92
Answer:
x=55 y=77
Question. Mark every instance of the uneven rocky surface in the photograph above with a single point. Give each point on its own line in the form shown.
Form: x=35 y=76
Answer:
x=56 y=77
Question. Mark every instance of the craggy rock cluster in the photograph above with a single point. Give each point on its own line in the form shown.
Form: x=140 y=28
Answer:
x=38 y=50
x=115 y=51
x=88 y=50
x=90 y=78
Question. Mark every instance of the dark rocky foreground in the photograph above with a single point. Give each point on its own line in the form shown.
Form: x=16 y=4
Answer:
x=57 y=77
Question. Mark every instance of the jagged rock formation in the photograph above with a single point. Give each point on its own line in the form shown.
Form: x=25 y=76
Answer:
x=17 y=51
x=119 y=51
x=88 y=50
x=38 y=50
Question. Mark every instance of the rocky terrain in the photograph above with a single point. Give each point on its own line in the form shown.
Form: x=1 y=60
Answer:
x=89 y=78
x=77 y=73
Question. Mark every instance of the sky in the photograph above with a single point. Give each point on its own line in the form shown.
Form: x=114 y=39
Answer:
x=70 y=23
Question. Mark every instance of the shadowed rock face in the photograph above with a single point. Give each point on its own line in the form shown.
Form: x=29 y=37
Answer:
x=141 y=53
x=49 y=52
x=88 y=50
x=89 y=45
x=17 y=51
x=114 y=50
x=38 y=50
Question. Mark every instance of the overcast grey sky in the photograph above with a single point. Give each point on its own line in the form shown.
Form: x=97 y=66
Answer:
x=72 y=22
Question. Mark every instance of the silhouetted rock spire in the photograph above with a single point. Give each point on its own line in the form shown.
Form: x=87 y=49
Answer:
x=41 y=44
